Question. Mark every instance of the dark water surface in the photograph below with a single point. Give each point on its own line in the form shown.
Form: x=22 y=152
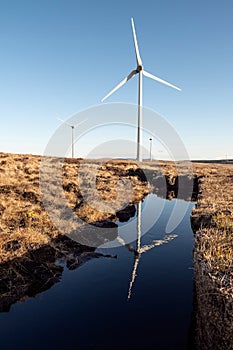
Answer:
x=92 y=307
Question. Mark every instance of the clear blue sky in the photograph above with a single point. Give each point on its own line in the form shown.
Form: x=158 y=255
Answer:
x=62 y=56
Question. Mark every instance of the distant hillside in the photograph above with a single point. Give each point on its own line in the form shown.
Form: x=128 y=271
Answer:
x=216 y=161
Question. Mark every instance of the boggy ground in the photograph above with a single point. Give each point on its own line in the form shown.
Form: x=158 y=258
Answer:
x=26 y=227
x=212 y=221
x=97 y=192
x=32 y=249
x=25 y=224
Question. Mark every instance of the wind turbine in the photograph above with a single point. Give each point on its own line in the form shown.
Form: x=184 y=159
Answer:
x=73 y=126
x=140 y=71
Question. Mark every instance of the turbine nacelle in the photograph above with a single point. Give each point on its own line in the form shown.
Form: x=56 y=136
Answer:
x=139 y=68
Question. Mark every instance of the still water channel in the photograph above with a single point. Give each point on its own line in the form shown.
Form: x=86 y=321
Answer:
x=139 y=297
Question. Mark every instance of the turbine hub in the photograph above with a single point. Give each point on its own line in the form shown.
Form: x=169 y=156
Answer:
x=139 y=68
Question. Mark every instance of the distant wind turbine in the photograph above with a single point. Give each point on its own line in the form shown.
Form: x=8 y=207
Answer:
x=139 y=70
x=73 y=126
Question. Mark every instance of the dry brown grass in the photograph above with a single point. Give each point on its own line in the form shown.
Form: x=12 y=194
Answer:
x=213 y=221
x=25 y=225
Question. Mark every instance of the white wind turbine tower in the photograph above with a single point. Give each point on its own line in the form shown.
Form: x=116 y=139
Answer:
x=73 y=126
x=140 y=71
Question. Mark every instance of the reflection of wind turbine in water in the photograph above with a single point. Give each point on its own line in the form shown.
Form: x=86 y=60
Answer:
x=73 y=126
x=139 y=250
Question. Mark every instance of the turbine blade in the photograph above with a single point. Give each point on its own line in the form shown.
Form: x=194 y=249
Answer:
x=133 y=276
x=120 y=84
x=149 y=75
x=80 y=123
x=63 y=121
x=138 y=58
